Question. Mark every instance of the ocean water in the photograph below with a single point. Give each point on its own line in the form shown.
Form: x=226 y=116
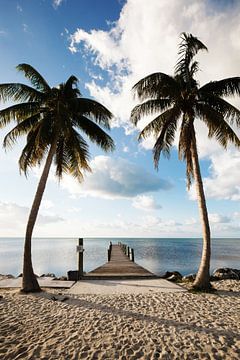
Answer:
x=54 y=255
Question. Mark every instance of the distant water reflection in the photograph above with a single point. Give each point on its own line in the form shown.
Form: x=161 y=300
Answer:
x=157 y=255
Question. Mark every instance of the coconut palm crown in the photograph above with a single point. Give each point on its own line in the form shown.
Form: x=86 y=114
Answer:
x=53 y=120
x=178 y=101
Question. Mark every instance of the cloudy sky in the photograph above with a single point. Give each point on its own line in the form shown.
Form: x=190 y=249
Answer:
x=109 y=45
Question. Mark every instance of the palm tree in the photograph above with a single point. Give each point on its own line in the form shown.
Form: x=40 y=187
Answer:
x=51 y=119
x=178 y=100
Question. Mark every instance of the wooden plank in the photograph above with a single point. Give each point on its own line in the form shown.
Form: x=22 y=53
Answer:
x=119 y=266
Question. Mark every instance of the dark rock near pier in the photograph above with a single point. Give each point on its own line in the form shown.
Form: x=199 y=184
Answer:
x=172 y=276
x=8 y=276
x=48 y=275
x=72 y=275
x=20 y=275
x=189 y=278
x=226 y=273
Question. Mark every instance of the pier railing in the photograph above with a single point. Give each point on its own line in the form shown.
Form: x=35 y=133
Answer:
x=127 y=250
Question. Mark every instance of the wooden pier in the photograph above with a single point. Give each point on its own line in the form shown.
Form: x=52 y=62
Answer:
x=120 y=265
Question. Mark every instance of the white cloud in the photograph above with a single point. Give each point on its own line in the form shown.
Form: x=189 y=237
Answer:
x=114 y=178
x=25 y=28
x=57 y=3
x=145 y=202
x=13 y=218
x=218 y=218
x=128 y=54
x=191 y=221
x=19 y=8
x=47 y=204
x=224 y=179
x=144 y=40
x=125 y=149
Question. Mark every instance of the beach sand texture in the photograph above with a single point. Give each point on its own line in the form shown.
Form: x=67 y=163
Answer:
x=121 y=326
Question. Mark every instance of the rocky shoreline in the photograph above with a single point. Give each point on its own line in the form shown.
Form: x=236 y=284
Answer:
x=175 y=276
x=218 y=274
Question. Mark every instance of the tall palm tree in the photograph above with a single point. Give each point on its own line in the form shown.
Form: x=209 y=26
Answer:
x=51 y=119
x=178 y=101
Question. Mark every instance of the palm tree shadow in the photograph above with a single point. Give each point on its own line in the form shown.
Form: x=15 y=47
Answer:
x=133 y=315
x=230 y=293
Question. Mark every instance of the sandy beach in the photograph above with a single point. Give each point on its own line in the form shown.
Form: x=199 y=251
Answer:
x=57 y=325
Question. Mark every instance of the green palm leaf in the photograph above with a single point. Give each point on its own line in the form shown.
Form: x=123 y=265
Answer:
x=155 y=86
x=95 y=133
x=94 y=110
x=188 y=48
x=35 y=78
x=19 y=130
x=18 y=112
x=77 y=155
x=217 y=126
x=169 y=120
x=148 y=108
x=19 y=92
x=224 y=87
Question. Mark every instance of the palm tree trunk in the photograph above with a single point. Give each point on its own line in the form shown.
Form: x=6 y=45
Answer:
x=202 y=281
x=29 y=281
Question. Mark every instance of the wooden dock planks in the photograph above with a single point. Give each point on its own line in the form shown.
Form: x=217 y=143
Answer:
x=119 y=266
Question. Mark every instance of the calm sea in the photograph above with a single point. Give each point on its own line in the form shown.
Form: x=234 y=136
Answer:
x=157 y=255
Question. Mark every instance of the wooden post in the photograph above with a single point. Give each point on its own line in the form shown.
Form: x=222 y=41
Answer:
x=109 y=251
x=128 y=252
x=132 y=255
x=80 y=258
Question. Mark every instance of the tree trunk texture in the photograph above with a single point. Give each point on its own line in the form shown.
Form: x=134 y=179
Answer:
x=202 y=281
x=29 y=281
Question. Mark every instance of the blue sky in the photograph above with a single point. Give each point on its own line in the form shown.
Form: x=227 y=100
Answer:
x=109 y=45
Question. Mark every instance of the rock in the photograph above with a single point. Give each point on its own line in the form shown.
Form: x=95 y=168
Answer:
x=190 y=277
x=174 y=278
x=20 y=275
x=48 y=275
x=8 y=276
x=72 y=275
x=169 y=274
x=226 y=273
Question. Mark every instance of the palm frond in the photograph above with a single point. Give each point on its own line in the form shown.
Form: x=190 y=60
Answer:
x=20 y=129
x=61 y=158
x=92 y=109
x=184 y=147
x=194 y=68
x=156 y=85
x=19 y=92
x=188 y=48
x=18 y=112
x=225 y=87
x=77 y=155
x=32 y=154
x=148 y=108
x=71 y=85
x=35 y=77
x=217 y=126
x=168 y=121
x=95 y=133
x=156 y=125
x=230 y=113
